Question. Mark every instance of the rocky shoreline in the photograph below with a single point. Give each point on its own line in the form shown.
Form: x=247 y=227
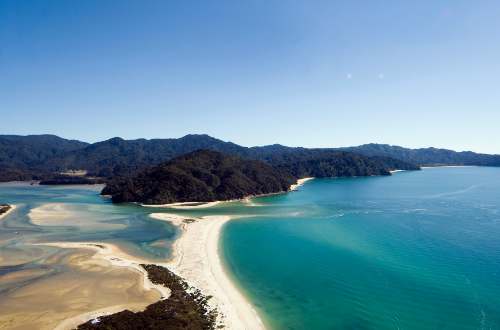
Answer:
x=185 y=308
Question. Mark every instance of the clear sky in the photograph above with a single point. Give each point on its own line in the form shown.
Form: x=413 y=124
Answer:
x=300 y=73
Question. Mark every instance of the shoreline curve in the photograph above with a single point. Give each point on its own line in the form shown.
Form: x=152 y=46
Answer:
x=196 y=259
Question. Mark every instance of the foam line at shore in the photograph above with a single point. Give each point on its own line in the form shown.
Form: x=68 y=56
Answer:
x=196 y=259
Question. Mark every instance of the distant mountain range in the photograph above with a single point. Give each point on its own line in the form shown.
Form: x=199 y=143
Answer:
x=26 y=157
x=427 y=156
x=40 y=156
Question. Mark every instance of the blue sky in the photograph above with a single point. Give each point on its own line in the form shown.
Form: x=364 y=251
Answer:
x=300 y=73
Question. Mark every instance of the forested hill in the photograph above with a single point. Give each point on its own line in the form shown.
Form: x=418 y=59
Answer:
x=339 y=164
x=119 y=157
x=201 y=176
x=26 y=157
x=43 y=156
x=207 y=175
x=426 y=156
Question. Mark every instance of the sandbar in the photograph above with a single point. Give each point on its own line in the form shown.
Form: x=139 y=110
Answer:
x=196 y=259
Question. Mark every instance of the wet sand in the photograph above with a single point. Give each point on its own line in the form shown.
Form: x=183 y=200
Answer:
x=60 y=214
x=71 y=282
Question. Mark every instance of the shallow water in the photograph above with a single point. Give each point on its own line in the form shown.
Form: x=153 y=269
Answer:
x=32 y=275
x=86 y=216
x=418 y=250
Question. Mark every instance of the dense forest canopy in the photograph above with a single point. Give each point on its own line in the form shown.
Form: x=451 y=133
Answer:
x=26 y=157
x=45 y=156
x=201 y=176
x=427 y=156
x=206 y=175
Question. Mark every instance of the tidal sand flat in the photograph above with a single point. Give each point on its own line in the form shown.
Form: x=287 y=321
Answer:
x=43 y=258
x=63 y=214
x=40 y=298
x=111 y=256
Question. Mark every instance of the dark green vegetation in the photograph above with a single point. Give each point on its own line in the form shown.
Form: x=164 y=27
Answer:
x=339 y=164
x=206 y=176
x=4 y=208
x=201 y=176
x=186 y=308
x=40 y=156
x=27 y=157
x=427 y=156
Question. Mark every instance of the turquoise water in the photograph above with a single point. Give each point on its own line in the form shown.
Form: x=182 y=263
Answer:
x=97 y=220
x=418 y=250
x=41 y=285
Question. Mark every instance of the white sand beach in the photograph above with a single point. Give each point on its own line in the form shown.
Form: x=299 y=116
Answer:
x=185 y=205
x=299 y=183
x=196 y=259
